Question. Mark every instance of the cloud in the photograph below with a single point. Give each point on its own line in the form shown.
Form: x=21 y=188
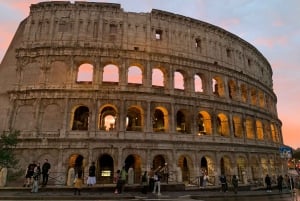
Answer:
x=271 y=42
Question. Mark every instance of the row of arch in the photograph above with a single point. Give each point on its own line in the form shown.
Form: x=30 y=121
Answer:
x=184 y=169
x=135 y=75
x=206 y=124
x=59 y=74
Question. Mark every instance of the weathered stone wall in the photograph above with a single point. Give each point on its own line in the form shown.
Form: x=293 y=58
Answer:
x=40 y=94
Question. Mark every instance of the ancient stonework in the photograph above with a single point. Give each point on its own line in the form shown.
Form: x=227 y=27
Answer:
x=89 y=82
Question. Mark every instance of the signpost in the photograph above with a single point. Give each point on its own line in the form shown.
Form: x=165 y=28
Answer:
x=287 y=153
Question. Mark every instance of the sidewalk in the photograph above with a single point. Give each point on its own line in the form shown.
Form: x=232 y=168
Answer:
x=96 y=192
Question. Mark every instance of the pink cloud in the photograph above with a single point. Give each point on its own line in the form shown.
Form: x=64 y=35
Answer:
x=271 y=42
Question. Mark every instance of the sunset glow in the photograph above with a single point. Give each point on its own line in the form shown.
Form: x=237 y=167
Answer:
x=272 y=26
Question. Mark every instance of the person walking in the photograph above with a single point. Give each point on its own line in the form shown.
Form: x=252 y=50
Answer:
x=157 y=178
x=92 y=175
x=45 y=172
x=268 y=183
x=29 y=174
x=78 y=180
x=235 y=183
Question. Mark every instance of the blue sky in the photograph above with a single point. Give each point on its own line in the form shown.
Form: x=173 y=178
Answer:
x=272 y=26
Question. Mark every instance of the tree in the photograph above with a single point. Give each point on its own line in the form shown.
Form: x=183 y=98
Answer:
x=8 y=141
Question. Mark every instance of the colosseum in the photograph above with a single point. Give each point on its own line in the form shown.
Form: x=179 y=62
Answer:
x=88 y=82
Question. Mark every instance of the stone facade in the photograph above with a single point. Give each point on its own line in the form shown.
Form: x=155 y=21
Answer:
x=221 y=119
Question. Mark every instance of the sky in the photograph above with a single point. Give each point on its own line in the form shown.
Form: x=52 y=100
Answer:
x=272 y=26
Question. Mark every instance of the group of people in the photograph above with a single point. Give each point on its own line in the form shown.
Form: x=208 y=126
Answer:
x=78 y=178
x=287 y=180
x=33 y=174
x=150 y=181
x=224 y=183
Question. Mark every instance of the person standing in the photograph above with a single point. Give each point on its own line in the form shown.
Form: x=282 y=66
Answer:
x=268 y=183
x=45 y=172
x=205 y=179
x=223 y=181
x=157 y=178
x=279 y=183
x=92 y=175
x=151 y=179
x=130 y=176
x=78 y=180
x=235 y=183
x=36 y=178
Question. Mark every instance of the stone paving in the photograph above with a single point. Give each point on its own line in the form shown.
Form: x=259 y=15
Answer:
x=96 y=193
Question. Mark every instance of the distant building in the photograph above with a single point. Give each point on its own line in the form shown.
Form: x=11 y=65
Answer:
x=89 y=82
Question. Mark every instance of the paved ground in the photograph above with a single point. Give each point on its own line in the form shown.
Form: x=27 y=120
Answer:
x=96 y=193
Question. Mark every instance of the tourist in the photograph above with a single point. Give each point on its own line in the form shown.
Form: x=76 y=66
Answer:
x=36 y=178
x=223 y=181
x=268 y=183
x=45 y=172
x=235 y=183
x=92 y=175
x=157 y=178
x=78 y=180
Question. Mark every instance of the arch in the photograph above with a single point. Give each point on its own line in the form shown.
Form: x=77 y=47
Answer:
x=80 y=120
x=264 y=166
x=135 y=162
x=237 y=126
x=223 y=125
x=160 y=120
x=135 y=75
x=76 y=160
x=225 y=166
x=273 y=132
x=158 y=77
x=218 y=86
x=107 y=118
x=259 y=130
x=52 y=118
x=182 y=125
x=204 y=123
x=255 y=168
x=85 y=73
x=249 y=128
x=261 y=99
x=244 y=93
x=158 y=162
x=134 y=119
x=178 y=80
x=198 y=83
x=110 y=73
x=106 y=171
x=241 y=168
x=232 y=89
x=186 y=166
x=253 y=94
